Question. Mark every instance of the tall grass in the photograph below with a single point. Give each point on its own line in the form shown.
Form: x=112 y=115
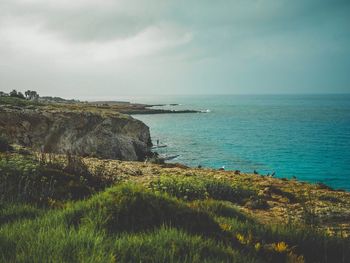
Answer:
x=101 y=230
x=131 y=223
x=26 y=179
x=172 y=245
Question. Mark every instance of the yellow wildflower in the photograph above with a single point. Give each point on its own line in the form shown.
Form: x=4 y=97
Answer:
x=280 y=247
x=225 y=227
x=240 y=238
x=257 y=246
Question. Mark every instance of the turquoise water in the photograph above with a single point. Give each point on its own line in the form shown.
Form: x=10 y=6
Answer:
x=307 y=136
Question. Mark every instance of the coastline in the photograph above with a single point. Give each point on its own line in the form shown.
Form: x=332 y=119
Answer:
x=138 y=108
x=56 y=196
x=293 y=136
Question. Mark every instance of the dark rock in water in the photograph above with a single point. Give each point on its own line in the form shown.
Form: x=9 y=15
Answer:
x=113 y=136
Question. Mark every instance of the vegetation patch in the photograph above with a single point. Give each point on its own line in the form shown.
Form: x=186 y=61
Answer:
x=60 y=209
x=219 y=209
x=132 y=208
x=172 y=245
x=12 y=212
x=4 y=144
x=198 y=188
x=25 y=179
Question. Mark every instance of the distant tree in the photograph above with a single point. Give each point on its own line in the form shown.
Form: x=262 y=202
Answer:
x=16 y=94
x=31 y=95
x=2 y=94
x=27 y=94
x=13 y=93
x=20 y=95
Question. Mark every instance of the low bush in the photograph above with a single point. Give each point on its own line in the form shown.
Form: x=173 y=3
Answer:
x=188 y=188
x=17 y=102
x=223 y=190
x=4 y=144
x=199 y=188
x=24 y=179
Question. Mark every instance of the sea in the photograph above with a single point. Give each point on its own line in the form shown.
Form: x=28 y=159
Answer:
x=302 y=136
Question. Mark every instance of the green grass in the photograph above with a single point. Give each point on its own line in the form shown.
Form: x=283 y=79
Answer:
x=14 y=101
x=171 y=219
x=110 y=225
x=128 y=223
x=132 y=208
x=10 y=212
x=172 y=245
x=199 y=188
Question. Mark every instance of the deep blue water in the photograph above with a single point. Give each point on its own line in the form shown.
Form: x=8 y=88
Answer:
x=307 y=136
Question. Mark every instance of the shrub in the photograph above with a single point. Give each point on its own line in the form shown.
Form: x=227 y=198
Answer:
x=222 y=190
x=4 y=145
x=188 y=188
x=23 y=179
x=199 y=188
x=18 y=102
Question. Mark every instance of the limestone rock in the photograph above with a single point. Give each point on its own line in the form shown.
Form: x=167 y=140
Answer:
x=113 y=136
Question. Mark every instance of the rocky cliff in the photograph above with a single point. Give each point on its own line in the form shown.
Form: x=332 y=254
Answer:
x=113 y=135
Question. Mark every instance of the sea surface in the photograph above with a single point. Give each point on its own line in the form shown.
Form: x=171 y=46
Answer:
x=306 y=136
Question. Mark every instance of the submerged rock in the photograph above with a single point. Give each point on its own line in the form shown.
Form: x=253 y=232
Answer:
x=114 y=136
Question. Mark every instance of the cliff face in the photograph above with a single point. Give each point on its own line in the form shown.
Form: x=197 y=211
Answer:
x=112 y=136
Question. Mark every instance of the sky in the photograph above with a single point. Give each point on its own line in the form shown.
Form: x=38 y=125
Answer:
x=94 y=49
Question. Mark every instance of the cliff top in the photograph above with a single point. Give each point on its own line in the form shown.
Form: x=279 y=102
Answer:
x=105 y=108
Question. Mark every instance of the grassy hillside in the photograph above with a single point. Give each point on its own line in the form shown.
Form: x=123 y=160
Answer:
x=67 y=209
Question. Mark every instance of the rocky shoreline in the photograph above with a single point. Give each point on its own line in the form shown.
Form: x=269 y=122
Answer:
x=102 y=129
x=137 y=108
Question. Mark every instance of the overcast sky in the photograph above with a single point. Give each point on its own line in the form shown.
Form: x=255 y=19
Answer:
x=109 y=48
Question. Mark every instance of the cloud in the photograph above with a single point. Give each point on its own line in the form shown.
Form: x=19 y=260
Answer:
x=163 y=46
x=33 y=40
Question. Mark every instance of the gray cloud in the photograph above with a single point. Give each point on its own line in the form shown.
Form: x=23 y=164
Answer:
x=83 y=48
